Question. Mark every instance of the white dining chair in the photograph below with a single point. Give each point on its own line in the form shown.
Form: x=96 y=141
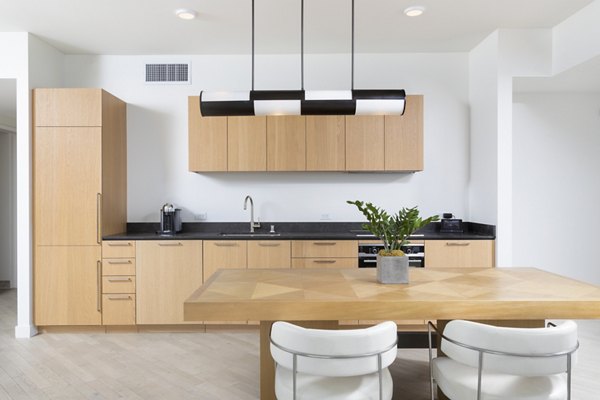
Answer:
x=333 y=364
x=487 y=362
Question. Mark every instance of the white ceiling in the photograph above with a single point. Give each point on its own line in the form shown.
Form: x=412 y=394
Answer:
x=223 y=26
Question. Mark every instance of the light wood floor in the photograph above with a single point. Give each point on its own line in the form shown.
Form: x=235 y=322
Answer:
x=205 y=366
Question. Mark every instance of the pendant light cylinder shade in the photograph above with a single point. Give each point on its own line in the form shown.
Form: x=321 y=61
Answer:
x=300 y=102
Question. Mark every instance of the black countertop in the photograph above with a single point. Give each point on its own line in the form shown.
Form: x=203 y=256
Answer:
x=293 y=231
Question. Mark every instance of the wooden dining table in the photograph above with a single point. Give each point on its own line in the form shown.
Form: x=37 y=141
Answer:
x=319 y=298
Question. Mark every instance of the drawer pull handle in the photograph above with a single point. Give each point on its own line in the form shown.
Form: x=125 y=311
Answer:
x=225 y=244
x=119 y=297
x=324 y=243
x=170 y=244
x=124 y=279
x=457 y=244
x=120 y=262
x=269 y=244
x=127 y=244
x=325 y=261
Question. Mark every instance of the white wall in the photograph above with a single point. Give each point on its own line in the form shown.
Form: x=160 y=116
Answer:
x=157 y=136
x=556 y=187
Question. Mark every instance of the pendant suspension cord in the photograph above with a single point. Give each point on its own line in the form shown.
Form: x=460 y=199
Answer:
x=252 y=45
x=302 y=44
x=352 y=68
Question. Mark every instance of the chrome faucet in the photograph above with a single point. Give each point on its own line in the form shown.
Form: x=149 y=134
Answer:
x=252 y=223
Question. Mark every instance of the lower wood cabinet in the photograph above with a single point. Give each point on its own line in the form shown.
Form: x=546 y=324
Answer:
x=324 y=263
x=118 y=309
x=167 y=272
x=223 y=254
x=459 y=254
x=269 y=254
x=67 y=285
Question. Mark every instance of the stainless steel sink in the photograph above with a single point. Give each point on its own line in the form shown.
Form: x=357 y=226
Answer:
x=248 y=234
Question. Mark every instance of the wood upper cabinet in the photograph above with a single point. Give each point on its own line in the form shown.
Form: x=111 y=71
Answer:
x=67 y=285
x=365 y=143
x=167 y=272
x=307 y=143
x=459 y=254
x=246 y=144
x=207 y=140
x=286 y=143
x=269 y=254
x=220 y=254
x=404 y=137
x=325 y=143
x=79 y=172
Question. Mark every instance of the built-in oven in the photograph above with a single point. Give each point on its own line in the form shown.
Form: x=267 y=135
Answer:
x=367 y=254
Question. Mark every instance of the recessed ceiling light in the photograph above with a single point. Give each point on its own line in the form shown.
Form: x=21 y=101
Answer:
x=414 y=11
x=185 y=13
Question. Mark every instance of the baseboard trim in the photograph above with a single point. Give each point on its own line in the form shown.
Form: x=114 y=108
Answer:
x=25 y=331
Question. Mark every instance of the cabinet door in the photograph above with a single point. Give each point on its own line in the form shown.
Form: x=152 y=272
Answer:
x=459 y=253
x=246 y=144
x=365 y=143
x=269 y=254
x=167 y=272
x=223 y=254
x=67 y=285
x=326 y=143
x=404 y=137
x=67 y=186
x=68 y=107
x=286 y=143
x=207 y=140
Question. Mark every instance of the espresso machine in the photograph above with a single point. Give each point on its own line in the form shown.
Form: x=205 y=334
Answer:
x=170 y=220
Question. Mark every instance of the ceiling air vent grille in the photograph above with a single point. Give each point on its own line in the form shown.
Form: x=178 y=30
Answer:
x=168 y=73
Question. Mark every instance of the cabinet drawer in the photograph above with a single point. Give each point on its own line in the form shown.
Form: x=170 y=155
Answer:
x=459 y=253
x=269 y=254
x=223 y=254
x=324 y=263
x=118 y=266
x=118 y=309
x=325 y=248
x=118 y=284
x=118 y=249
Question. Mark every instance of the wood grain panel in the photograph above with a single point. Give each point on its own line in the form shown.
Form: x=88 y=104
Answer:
x=167 y=272
x=404 y=137
x=67 y=285
x=325 y=248
x=269 y=254
x=326 y=143
x=246 y=144
x=68 y=107
x=114 y=165
x=365 y=143
x=286 y=143
x=324 y=263
x=207 y=137
x=118 y=249
x=118 y=284
x=118 y=309
x=459 y=253
x=224 y=254
x=67 y=180
x=118 y=266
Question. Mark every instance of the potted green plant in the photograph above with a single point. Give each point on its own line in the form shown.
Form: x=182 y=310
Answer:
x=393 y=230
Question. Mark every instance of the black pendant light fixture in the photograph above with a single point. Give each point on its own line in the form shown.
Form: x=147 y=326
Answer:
x=302 y=102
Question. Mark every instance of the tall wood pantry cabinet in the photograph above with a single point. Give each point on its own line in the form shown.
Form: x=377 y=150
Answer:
x=79 y=195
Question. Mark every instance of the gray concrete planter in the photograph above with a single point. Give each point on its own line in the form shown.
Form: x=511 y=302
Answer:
x=392 y=269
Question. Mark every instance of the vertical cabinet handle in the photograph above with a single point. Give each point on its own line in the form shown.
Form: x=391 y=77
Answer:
x=98 y=222
x=99 y=285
